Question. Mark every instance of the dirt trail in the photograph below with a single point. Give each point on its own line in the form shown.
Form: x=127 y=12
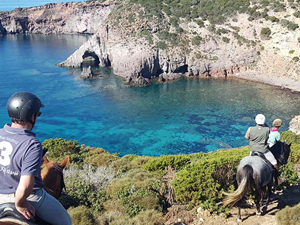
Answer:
x=290 y=196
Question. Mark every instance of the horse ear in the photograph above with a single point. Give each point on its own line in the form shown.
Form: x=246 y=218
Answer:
x=45 y=160
x=65 y=162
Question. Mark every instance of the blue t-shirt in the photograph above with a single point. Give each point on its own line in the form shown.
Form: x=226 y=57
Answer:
x=20 y=154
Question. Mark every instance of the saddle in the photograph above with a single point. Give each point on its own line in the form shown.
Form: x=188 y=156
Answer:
x=8 y=210
x=262 y=156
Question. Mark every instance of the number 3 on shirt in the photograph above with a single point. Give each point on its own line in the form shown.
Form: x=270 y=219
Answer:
x=5 y=152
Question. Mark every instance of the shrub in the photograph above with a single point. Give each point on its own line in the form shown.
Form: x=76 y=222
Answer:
x=137 y=190
x=289 y=24
x=86 y=186
x=161 y=45
x=59 y=148
x=272 y=18
x=265 y=33
x=82 y=215
x=289 y=173
x=297 y=14
x=225 y=39
x=80 y=193
x=176 y=162
x=196 y=40
x=100 y=157
x=296 y=59
x=289 y=215
x=290 y=137
x=203 y=181
x=291 y=51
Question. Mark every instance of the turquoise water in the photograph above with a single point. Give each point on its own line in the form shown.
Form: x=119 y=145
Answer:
x=7 y=5
x=194 y=115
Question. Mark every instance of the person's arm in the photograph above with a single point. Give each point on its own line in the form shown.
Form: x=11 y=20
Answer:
x=23 y=191
x=247 y=135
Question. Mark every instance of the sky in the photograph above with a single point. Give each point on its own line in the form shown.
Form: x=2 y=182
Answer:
x=7 y=5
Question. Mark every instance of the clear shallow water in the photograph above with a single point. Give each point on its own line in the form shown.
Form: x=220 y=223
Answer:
x=195 y=115
x=7 y=5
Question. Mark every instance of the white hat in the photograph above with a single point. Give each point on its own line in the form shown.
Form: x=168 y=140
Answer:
x=260 y=119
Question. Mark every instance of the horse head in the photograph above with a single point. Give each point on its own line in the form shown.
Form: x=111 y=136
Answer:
x=52 y=175
x=287 y=151
x=281 y=151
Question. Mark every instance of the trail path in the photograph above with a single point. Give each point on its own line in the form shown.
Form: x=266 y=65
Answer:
x=287 y=197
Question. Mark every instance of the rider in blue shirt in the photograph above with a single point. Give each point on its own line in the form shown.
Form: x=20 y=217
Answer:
x=20 y=163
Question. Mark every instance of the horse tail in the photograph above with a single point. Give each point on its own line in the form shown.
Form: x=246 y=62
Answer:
x=244 y=186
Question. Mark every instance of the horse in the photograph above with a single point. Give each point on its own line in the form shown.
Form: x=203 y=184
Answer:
x=52 y=176
x=255 y=173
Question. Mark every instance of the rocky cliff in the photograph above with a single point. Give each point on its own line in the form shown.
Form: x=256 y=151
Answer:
x=55 y=18
x=139 y=49
x=240 y=51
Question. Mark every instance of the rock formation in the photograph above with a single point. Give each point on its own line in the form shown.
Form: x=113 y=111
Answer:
x=87 y=73
x=55 y=18
x=295 y=125
x=121 y=46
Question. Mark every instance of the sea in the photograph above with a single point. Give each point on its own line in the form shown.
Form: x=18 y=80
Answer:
x=182 y=117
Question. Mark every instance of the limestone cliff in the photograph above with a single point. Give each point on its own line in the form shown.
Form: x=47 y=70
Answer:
x=55 y=18
x=239 y=52
x=138 y=48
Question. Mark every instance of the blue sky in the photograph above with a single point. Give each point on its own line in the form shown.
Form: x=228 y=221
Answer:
x=6 y=5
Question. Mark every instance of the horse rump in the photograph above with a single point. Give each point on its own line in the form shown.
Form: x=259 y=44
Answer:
x=245 y=180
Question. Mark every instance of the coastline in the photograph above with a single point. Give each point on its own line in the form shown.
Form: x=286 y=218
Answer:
x=281 y=82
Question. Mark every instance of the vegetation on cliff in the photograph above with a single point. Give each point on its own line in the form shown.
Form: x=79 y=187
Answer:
x=103 y=188
x=164 y=23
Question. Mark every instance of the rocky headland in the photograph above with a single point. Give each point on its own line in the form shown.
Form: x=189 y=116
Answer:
x=134 y=47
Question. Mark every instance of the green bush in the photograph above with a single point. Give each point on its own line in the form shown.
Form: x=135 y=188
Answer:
x=297 y=14
x=225 y=39
x=289 y=215
x=290 y=137
x=161 y=45
x=137 y=190
x=176 y=162
x=196 y=40
x=296 y=59
x=272 y=18
x=289 y=24
x=265 y=33
x=203 y=181
x=289 y=173
x=82 y=215
x=80 y=193
x=58 y=148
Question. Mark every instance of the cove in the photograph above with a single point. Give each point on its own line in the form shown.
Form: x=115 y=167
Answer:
x=187 y=116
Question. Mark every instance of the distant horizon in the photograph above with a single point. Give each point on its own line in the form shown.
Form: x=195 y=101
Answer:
x=8 y=5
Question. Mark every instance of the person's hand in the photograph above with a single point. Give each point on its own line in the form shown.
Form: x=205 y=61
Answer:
x=26 y=209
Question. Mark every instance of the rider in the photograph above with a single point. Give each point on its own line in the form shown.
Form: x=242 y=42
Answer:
x=274 y=135
x=258 y=137
x=20 y=163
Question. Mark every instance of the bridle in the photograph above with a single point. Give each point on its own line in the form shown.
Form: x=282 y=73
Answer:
x=60 y=171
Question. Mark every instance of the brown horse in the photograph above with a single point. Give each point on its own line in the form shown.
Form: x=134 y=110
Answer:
x=52 y=175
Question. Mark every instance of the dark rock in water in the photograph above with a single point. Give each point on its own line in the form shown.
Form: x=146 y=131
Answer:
x=137 y=80
x=169 y=77
x=87 y=73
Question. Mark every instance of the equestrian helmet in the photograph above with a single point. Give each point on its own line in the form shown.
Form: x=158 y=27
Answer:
x=277 y=123
x=260 y=119
x=23 y=105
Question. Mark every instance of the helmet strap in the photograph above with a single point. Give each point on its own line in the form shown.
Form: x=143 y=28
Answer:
x=32 y=122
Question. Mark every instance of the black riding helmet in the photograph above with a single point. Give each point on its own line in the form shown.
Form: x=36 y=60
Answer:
x=23 y=105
